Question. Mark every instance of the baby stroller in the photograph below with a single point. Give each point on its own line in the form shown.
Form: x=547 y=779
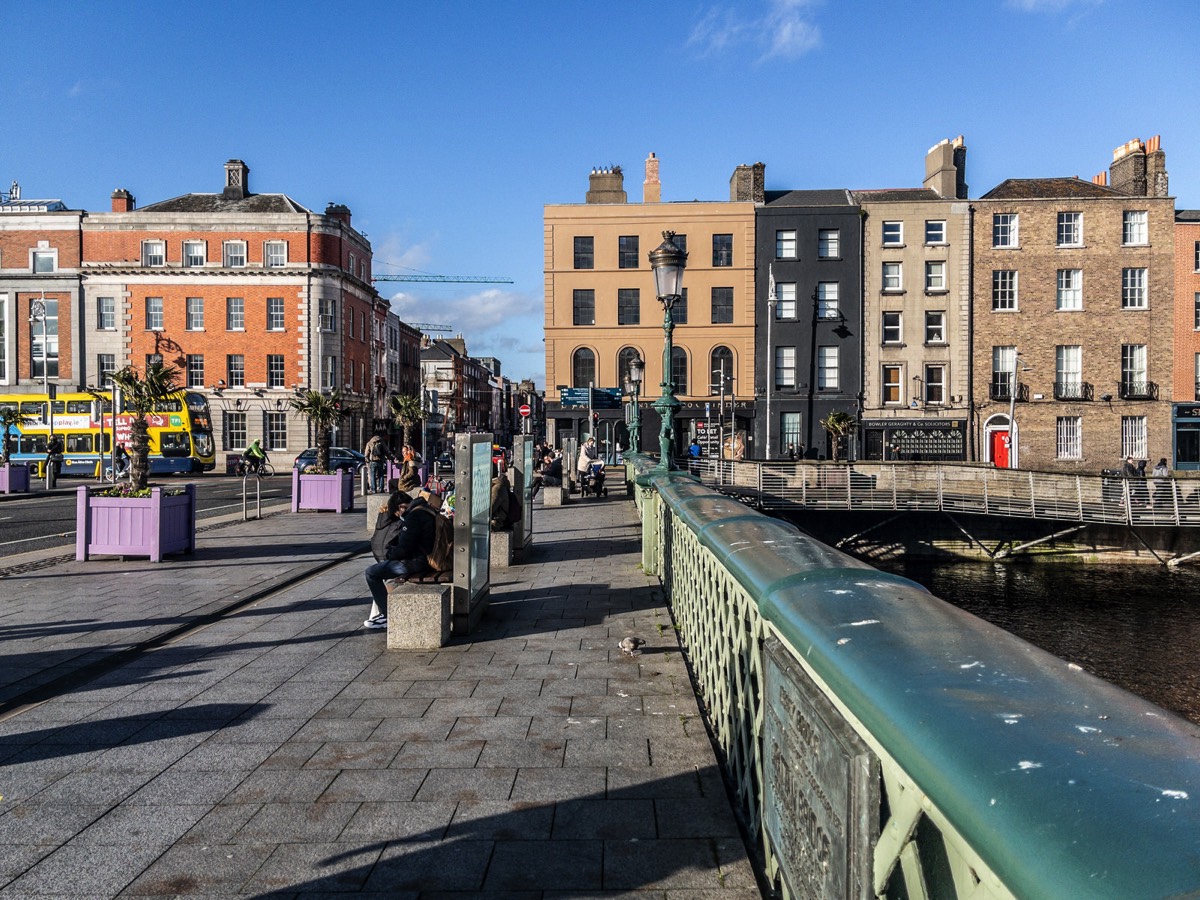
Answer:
x=593 y=481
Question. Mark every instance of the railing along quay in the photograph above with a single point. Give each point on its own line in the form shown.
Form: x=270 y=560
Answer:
x=983 y=490
x=882 y=743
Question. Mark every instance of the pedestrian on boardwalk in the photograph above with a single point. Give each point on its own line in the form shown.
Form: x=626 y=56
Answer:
x=377 y=454
x=588 y=454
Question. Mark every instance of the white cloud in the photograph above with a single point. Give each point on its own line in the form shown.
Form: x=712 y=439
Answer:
x=1052 y=6
x=784 y=31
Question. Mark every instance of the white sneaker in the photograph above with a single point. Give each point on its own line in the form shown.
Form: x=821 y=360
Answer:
x=379 y=621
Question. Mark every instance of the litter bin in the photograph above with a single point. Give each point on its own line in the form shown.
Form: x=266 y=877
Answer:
x=233 y=463
x=1112 y=487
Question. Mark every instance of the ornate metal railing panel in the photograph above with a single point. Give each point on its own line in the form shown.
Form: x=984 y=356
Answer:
x=980 y=490
x=1000 y=770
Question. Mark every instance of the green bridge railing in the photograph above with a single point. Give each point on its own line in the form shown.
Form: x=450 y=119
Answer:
x=882 y=743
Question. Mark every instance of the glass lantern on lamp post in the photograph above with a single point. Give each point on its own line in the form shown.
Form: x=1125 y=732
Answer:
x=633 y=387
x=667 y=262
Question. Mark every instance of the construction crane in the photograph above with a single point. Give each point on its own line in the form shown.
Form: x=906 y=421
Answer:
x=429 y=326
x=472 y=279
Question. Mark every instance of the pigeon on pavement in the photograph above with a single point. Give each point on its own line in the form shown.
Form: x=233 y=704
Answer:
x=629 y=646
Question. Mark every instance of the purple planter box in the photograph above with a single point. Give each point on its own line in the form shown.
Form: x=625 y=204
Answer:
x=333 y=492
x=14 y=479
x=135 y=526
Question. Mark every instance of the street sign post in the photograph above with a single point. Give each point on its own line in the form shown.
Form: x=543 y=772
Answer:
x=525 y=410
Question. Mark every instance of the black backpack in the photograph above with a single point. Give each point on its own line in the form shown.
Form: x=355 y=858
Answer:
x=387 y=529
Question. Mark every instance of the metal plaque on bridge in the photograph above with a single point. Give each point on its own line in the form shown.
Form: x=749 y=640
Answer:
x=822 y=787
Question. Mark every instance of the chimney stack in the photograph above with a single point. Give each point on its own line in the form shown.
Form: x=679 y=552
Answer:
x=122 y=201
x=606 y=186
x=946 y=168
x=237 y=180
x=748 y=183
x=1128 y=170
x=1156 y=168
x=651 y=187
x=340 y=212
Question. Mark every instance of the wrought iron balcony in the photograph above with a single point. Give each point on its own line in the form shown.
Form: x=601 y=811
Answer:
x=1073 y=390
x=1001 y=389
x=1137 y=390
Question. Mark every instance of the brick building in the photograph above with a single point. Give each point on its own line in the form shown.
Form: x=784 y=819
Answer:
x=1186 y=409
x=1073 y=308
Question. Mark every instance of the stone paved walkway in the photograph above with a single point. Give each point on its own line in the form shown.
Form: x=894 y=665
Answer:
x=282 y=751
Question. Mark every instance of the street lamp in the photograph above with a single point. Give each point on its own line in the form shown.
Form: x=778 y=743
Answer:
x=725 y=380
x=668 y=262
x=637 y=369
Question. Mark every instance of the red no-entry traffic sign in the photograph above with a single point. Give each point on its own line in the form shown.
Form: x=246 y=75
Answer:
x=525 y=410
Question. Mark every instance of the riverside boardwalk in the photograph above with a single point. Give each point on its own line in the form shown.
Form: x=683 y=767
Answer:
x=162 y=741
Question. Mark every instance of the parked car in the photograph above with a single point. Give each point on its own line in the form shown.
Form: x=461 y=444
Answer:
x=339 y=458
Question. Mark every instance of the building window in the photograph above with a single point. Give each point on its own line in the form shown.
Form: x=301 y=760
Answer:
x=1196 y=307
x=349 y=323
x=893 y=234
x=106 y=365
x=274 y=314
x=893 y=277
x=350 y=267
x=585 y=252
x=1133 y=289
x=154 y=359
x=1070 y=229
x=233 y=254
x=785 y=367
x=627 y=251
x=1070 y=289
x=195 y=314
x=785 y=244
x=827 y=368
x=721 y=360
x=329 y=373
x=44 y=261
x=679 y=312
x=789 y=430
x=583 y=368
x=722 y=305
x=629 y=306
x=893 y=327
x=235 y=314
x=722 y=256
x=1133 y=437
x=275 y=370
x=328 y=314
x=154 y=314
x=235 y=431
x=275 y=429
x=195 y=254
x=1133 y=227
x=1004 y=360
x=235 y=370
x=1197 y=261
x=827 y=300
x=679 y=370
x=275 y=254
x=1005 y=230
x=1134 y=380
x=1068 y=439
x=1068 y=372
x=935 y=277
x=43 y=343
x=1197 y=376
x=154 y=253
x=785 y=300
x=106 y=313
x=935 y=385
x=891 y=385
x=935 y=327
x=195 y=370
x=829 y=243
x=584 y=307
x=1004 y=290
x=935 y=231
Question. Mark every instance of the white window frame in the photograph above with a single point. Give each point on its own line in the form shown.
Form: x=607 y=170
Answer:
x=786 y=245
x=1133 y=437
x=935 y=276
x=276 y=374
x=1068 y=294
x=1134 y=228
x=891 y=277
x=193 y=370
x=106 y=367
x=785 y=367
x=935 y=232
x=1006 y=293
x=1070 y=230
x=1134 y=365
x=785 y=300
x=276 y=315
x=275 y=430
x=328 y=315
x=37 y=256
x=194 y=314
x=235 y=369
x=154 y=313
x=106 y=313
x=827 y=300
x=828 y=372
x=1135 y=293
x=935 y=327
x=895 y=386
x=891 y=324
x=892 y=234
x=4 y=335
x=934 y=388
x=235 y=313
x=1068 y=366
x=233 y=254
x=1068 y=438
x=829 y=243
x=191 y=258
x=154 y=254
x=1006 y=233
x=329 y=373
x=275 y=254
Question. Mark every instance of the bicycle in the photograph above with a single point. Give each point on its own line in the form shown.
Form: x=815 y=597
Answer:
x=262 y=468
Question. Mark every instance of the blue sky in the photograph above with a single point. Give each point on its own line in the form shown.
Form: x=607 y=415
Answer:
x=445 y=128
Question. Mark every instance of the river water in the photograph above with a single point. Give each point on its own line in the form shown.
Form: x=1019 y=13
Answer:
x=1137 y=626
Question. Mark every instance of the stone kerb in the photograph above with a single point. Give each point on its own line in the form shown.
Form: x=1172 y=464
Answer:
x=554 y=496
x=502 y=549
x=418 y=616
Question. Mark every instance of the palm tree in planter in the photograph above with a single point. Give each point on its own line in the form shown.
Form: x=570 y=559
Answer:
x=407 y=413
x=141 y=393
x=838 y=424
x=316 y=487
x=322 y=411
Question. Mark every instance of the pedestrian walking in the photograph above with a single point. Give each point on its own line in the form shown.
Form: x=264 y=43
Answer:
x=377 y=454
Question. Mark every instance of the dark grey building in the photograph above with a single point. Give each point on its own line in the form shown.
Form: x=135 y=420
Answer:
x=808 y=339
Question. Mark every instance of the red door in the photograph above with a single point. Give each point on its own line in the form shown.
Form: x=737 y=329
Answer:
x=999 y=446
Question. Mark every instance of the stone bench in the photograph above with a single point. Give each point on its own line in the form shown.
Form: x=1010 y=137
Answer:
x=501 y=549
x=418 y=615
x=554 y=496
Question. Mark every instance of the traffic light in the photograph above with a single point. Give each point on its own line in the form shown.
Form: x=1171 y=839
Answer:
x=595 y=419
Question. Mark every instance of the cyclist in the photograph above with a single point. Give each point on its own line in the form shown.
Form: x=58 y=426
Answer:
x=120 y=462
x=254 y=456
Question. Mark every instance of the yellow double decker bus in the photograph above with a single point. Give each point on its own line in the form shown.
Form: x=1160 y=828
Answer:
x=181 y=438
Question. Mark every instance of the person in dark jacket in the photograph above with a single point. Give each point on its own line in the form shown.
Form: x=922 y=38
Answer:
x=402 y=540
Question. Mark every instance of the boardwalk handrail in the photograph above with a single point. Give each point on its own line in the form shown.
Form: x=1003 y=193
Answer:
x=983 y=490
x=1039 y=779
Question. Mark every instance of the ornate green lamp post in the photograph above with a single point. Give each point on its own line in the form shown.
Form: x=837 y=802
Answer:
x=668 y=262
x=633 y=387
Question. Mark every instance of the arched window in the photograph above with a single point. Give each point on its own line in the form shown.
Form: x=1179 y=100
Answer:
x=583 y=368
x=679 y=370
x=720 y=361
x=624 y=358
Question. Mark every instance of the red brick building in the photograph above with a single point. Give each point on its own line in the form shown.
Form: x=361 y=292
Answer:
x=1186 y=410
